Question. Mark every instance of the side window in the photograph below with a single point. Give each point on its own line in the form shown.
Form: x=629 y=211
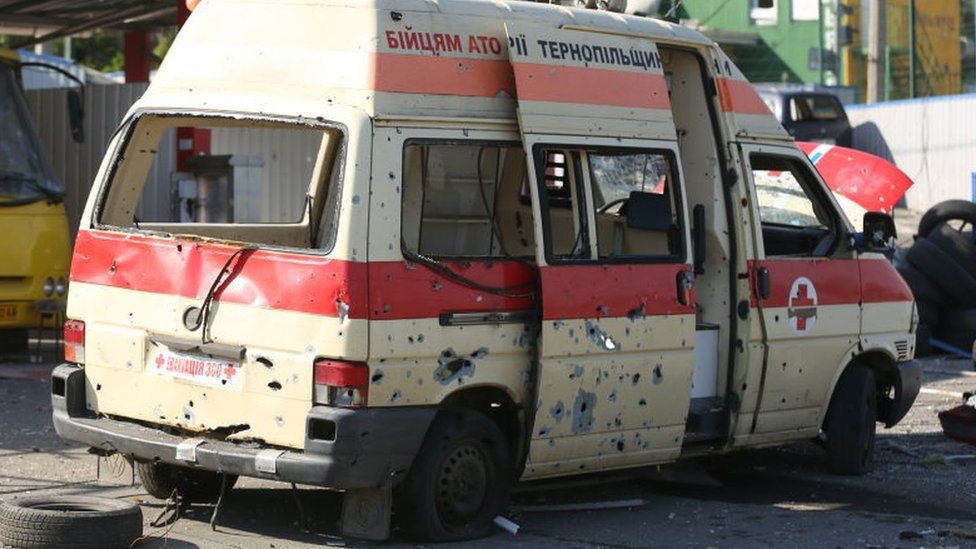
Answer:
x=630 y=197
x=820 y=108
x=450 y=198
x=796 y=218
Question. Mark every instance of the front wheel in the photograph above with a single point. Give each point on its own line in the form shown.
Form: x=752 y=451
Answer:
x=458 y=482
x=851 y=422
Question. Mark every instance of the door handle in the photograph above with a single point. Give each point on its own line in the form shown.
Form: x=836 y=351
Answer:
x=763 y=283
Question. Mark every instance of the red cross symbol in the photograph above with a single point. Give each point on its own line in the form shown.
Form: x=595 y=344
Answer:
x=159 y=361
x=803 y=300
x=803 y=305
x=230 y=372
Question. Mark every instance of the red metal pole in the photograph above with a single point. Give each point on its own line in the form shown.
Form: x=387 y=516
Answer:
x=137 y=54
x=190 y=142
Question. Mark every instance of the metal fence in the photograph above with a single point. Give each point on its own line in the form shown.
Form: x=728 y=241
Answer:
x=287 y=156
x=932 y=140
x=75 y=164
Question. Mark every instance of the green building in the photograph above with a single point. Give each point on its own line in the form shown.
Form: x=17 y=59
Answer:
x=825 y=41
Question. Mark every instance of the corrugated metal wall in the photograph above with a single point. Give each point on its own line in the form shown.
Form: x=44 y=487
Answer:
x=932 y=140
x=288 y=156
x=75 y=164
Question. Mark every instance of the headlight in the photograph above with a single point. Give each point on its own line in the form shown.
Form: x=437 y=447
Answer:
x=48 y=287
x=61 y=286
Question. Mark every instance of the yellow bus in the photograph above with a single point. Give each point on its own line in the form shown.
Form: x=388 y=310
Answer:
x=34 y=236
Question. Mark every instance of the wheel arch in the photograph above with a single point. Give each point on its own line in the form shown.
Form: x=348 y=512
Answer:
x=882 y=364
x=499 y=405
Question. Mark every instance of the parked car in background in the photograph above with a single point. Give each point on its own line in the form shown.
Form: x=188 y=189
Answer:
x=34 y=237
x=808 y=113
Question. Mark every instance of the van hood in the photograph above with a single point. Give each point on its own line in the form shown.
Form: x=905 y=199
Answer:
x=861 y=181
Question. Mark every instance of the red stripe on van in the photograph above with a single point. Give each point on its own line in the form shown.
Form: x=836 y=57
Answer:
x=405 y=73
x=271 y=280
x=408 y=290
x=740 y=97
x=836 y=281
x=595 y=291
x=592 y=86
x=881 y=283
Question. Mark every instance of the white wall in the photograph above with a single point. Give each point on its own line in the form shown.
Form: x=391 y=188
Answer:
x=932 y=140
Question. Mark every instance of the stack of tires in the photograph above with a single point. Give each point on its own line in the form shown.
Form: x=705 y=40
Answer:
x=940 y=268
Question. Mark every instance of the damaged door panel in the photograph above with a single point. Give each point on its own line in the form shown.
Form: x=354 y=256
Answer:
x=614 y=362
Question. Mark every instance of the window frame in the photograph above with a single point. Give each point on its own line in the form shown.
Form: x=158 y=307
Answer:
x=336 y=174
x=583 y=180
x=426 y=141
x=815 y=191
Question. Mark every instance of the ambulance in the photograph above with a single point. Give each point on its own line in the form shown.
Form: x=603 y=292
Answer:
x=418 y=251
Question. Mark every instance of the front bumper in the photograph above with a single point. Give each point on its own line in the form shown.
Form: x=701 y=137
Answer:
x=344 y=449
x=906 y=382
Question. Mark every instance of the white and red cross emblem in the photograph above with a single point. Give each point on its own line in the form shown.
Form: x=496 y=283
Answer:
x=802 y=308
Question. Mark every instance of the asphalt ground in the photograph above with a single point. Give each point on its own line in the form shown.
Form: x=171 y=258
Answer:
x=922 y=492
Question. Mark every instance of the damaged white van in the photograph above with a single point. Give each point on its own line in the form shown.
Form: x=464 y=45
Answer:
x=436 y=248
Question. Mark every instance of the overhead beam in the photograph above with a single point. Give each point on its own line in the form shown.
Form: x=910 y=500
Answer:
x=145 y=10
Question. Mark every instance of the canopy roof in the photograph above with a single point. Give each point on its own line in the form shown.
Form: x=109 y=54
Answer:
x=43 y=20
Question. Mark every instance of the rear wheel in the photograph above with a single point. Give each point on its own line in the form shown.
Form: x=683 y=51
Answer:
x=851 y=422
x=161 y=479
x=459 y=480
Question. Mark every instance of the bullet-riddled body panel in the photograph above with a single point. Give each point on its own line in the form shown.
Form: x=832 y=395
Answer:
x=596 y=360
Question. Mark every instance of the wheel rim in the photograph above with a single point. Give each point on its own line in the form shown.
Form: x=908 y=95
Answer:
x=462 y=485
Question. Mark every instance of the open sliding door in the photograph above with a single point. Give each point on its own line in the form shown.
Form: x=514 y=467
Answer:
x=616 y=349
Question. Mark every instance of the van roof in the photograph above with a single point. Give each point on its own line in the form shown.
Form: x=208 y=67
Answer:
x=395 y=58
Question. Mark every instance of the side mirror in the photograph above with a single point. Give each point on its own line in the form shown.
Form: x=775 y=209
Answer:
x=879 y=230
x=76 y=116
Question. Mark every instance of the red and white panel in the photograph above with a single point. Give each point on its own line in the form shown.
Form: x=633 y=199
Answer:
x=583 y=83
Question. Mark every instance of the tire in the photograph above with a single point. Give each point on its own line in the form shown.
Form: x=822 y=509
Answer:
x=958 y=285
x=851 y=422
x=922 y=335
x=79 y=522
x=923 y=289
x=929 y=313
x=466 y=452
x=13 y=341
x=961 y=338
x=899 y=258
x=962 y=210
x=196 y=485
x=959 y=319
x=956 y=245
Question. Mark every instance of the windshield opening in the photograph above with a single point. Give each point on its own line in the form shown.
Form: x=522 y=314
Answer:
x=25 y=176
x=262 y=181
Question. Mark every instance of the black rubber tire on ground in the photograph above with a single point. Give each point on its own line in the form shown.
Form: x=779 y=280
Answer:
x=960 y=338
x=959 y=319
x=78 y=522
x=458 y=482
x=851 y=422
x=922 y=286
x=929 y=313
x=13 y=341
x=196 y=485
x=958 y=285
x=962 y=210
x=958 y=246
x=922 y=335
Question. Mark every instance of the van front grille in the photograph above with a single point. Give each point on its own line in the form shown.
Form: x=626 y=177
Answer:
x=901 y=349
